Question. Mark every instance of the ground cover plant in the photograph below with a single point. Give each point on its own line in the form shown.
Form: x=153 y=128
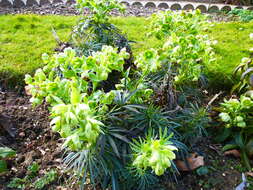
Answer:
x=134 y=133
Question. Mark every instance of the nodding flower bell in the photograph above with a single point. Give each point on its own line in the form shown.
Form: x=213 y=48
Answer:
x=156 y=154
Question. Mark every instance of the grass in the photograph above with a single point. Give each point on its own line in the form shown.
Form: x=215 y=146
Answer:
x=233 y=44
x=136 y=29
x=23 y=38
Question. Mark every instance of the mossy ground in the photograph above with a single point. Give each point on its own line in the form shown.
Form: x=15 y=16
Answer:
x=23 y=38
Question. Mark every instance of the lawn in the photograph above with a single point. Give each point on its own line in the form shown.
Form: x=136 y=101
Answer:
x=233 y=44
x=23 y=38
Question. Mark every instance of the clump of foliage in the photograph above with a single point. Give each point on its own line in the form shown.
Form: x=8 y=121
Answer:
x=153 y=152
x=97 y=126
x=181 y=61
x=114 y=157
x=194 y=121
x=179 y=68
x=104 y=129
x=31 y=179
x=185 y=52
x=242 y=14
x=5 y=152
x=48 y=178
x=236 y=114
x=22 y=183
x=245 y=69
x=70 y=85
x=94 y=30
x=183 y=23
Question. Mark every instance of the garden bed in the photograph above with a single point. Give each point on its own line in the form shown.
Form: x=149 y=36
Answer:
x=36 y=143
x=161 y=107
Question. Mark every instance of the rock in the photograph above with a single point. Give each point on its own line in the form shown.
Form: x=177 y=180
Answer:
x=22 y=134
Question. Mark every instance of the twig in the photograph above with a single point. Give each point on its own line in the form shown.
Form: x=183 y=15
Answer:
x=213 y=99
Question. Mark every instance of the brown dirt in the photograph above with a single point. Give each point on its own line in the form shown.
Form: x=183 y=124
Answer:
x=34 y=140
x=223 y=170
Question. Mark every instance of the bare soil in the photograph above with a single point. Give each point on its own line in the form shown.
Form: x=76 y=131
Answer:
x=28 y=132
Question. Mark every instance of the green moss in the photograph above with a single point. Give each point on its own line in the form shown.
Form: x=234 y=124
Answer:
x=23 y=38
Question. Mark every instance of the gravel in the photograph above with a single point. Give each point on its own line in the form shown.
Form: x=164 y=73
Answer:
x=69 y=9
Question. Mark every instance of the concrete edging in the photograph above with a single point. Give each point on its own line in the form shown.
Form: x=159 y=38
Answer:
x=172 y=5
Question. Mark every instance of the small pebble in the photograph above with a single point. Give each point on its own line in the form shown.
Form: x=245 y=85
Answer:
x=22 y=134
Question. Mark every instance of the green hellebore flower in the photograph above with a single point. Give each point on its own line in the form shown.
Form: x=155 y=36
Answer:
x=246 y=102
x=239 y=118
x=241 y=124
x=224 y=117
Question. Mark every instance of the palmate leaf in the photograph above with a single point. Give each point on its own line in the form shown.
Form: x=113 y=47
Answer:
x=85 y=162
x=145 y=180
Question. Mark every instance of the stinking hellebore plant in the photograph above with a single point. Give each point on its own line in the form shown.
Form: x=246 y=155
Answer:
x=70 y=85
x=185 y=53
x=236 y=114
x=153 y=152
x=94 y=29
